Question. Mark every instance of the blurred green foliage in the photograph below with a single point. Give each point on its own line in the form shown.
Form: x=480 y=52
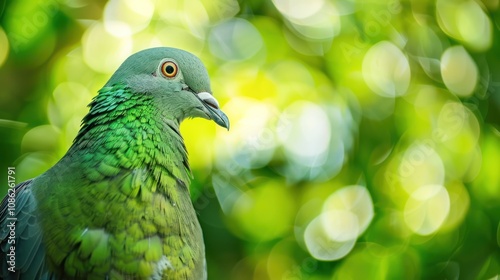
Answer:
x=365 y=137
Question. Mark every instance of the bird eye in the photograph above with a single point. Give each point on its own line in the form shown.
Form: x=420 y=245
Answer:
x=169 y=69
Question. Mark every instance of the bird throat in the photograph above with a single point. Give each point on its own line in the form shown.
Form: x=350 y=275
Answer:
x=126 y=132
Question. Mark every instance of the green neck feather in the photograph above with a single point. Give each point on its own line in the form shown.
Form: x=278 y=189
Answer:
x=128 y=127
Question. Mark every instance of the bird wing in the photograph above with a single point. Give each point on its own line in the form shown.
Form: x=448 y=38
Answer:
x=21 y=236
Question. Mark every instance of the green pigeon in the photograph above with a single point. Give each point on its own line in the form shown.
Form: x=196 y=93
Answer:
x=117 y=205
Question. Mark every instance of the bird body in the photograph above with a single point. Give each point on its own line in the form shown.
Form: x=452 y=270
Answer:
x=117 y=205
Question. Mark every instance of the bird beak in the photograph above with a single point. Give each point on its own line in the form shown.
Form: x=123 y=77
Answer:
x=214 y=111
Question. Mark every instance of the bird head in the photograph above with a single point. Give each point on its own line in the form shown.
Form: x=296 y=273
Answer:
x=177 y=80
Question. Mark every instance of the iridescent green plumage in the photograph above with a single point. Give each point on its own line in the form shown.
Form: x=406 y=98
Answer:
x=117 y=205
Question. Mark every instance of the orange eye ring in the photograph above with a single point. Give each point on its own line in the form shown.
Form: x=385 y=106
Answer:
x=169 y=69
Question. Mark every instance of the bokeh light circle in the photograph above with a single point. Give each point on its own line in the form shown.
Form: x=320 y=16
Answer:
x=426 y=209
x=345 y=215
x=299 y=9
x=386 y=70
x=465 y=21
x=252 y=141
x=103 y=51
x=321 y=246
x=340 y=225
x=420 y=165
x=353 y=199
x=235 y=39
x=306 y=133
x=126 y=17
x=459 y=71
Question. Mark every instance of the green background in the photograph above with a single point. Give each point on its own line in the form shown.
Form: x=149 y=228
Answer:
x=364 y=139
